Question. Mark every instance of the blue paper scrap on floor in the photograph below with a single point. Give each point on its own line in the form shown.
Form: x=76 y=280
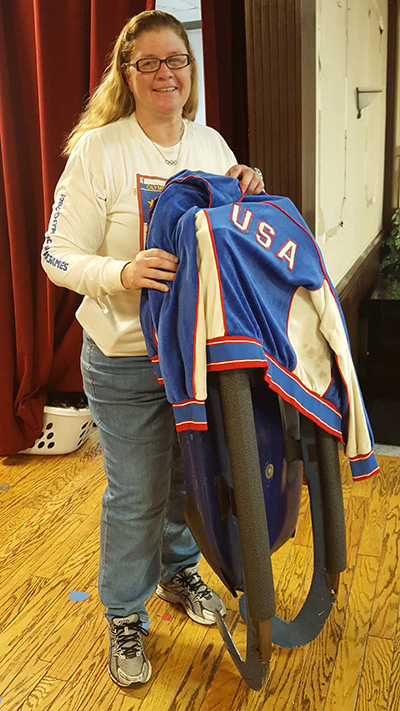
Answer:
x=77 y=596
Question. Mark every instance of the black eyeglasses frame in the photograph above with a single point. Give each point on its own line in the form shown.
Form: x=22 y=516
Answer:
x=137 y=64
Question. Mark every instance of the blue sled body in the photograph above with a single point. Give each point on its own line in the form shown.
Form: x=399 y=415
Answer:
x=210 y=501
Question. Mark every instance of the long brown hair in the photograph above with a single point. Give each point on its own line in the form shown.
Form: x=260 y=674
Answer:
x=113 y=99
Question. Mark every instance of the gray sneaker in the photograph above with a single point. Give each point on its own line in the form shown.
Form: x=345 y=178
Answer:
x=188 y=589
x=128 y=664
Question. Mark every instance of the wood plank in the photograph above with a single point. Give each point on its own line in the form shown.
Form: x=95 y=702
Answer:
x=201 y=673
x=81 y=568
x=16 y=686
x=49 y=483
x=364 y=487
x=38 y=627
x=387 y=595
x=279 y=559
x=42 y=696
x=343 y=687
x=282 y=684
x=221 y=694
x=19 y=521
x=347 y=479
x=306 y=582
x=304 y=535
x=31 y=548
x=371 y=542
x=32 y=626
x=14 y=569
x=89 y=687
x=374 y=684
x=320 y=660
x=394 y=689
x=392 y=465
x=87 y=529
x=124 y=702
x=31 y=552
x=19 y=468
x=73 y=637
x=50 y=608
x=92 y=503
x=76 y=615
x=355 y=522
x=291 y=581
x=30 y=522
x=23 y=541
x=14 y=603
x=72 y=486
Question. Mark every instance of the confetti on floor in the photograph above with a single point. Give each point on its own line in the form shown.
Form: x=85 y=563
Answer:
x=78 y=596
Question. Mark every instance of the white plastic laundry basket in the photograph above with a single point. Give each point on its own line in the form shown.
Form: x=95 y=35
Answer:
x=65 y=429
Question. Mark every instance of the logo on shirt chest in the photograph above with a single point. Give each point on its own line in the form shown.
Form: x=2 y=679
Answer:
x=147 y=190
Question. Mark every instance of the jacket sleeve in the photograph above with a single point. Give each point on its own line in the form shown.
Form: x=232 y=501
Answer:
x=357 y=434
x=76 y=231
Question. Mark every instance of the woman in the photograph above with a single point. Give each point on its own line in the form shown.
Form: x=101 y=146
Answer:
x=136 y=132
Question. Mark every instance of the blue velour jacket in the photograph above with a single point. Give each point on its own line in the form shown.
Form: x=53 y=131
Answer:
x=251 y=290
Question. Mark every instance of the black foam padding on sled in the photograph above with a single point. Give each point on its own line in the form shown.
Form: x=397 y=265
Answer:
x=332 y=498
x=241 y=441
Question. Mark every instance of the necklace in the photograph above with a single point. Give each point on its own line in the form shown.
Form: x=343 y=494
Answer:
x=168 y=161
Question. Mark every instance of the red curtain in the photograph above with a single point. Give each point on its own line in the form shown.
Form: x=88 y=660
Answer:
x=224 y=48
x=52 y=53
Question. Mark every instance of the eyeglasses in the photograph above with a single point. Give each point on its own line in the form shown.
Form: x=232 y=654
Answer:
x=152 y=64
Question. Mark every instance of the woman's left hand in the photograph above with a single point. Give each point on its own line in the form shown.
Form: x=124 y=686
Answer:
x=252 y=182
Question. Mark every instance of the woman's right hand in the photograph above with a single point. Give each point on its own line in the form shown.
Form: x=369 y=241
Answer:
x=147 y=268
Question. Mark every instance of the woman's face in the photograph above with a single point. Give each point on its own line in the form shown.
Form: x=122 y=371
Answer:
x=162 y=93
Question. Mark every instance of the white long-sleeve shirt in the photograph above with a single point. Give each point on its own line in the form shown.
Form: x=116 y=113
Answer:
x=99 y=216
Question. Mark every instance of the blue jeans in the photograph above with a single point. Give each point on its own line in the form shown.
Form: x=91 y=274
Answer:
x=143 y=534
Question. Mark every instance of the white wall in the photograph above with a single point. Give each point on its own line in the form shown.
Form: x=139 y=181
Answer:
x=196 y=41
x=189 y=11
x=352 y=47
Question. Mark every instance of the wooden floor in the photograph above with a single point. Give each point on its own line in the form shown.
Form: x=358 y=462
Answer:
x=53 y=649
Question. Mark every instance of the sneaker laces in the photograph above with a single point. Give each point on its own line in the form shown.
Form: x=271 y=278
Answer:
x=128 y=637
x=195 y=584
